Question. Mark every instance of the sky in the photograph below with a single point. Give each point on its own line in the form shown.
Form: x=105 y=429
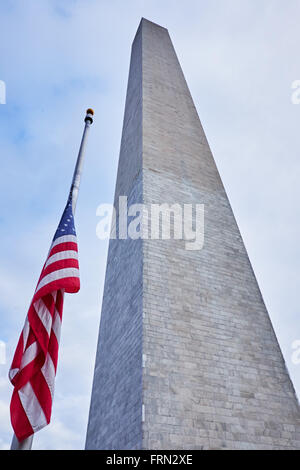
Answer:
x=240 y=59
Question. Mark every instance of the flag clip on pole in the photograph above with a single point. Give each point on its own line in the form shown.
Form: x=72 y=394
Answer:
x=31 y=411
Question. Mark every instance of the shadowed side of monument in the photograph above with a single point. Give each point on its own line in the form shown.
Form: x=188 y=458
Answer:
x=115 y=419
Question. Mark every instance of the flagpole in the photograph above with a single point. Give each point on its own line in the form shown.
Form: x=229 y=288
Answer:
x=26 y=444
x=79 y=163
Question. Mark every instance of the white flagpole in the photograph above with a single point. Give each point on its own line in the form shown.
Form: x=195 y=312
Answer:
x=26 y=444
x=79 y=164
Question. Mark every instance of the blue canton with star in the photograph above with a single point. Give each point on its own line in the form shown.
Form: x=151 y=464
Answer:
x=66 y=224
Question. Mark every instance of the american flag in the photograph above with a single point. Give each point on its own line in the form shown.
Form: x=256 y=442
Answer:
x=34 y=365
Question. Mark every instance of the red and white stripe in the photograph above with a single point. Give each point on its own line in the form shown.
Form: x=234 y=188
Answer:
x=34 y=364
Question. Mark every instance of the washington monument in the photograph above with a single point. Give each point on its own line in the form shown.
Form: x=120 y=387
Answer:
x=187 y=357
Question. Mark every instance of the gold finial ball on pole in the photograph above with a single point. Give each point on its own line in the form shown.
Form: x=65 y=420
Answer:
x=89 y=115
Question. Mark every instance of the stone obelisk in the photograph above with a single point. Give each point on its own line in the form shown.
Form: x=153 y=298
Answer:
x=187 y=356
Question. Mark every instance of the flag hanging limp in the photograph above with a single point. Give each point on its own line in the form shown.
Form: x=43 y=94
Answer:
x=34 y=365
